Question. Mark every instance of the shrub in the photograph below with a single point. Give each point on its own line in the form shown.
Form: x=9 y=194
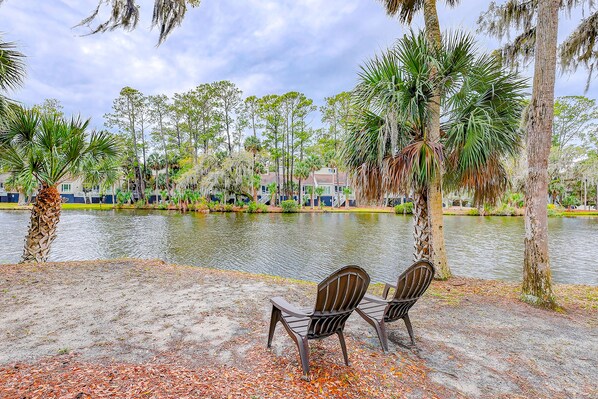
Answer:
x=554 y=211
x=289 y=206
x=228 y=208
x=406 y=208
x=571 y=201
x=473 y=212
x=504 y=210
x=254 y=207
x=214 y=206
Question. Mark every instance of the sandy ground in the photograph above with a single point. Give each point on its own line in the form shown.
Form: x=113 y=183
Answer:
x=471 y=342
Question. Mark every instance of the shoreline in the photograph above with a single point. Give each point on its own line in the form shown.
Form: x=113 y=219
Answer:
x=453 y=211
x=132 y=328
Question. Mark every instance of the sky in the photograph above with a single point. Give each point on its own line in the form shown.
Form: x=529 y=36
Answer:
x=264 y=46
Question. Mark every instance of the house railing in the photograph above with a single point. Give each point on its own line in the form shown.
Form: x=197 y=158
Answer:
x=265 y=198
x=338 y=201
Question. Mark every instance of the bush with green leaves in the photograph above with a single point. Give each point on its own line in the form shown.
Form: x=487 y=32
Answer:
x=123 y=197
x=254 y=207
x=553 y=210
x=406 y=208
x=504 y=210
x=473 y=212
x=289 y=206
x=570 y=201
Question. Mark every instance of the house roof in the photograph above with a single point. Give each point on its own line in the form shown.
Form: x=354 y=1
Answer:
x=321 y=179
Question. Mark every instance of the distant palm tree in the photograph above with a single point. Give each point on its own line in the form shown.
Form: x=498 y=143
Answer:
x=272 y=187
x=302 y=172
x=12 y=73
x=389 y=148
x=314 y=163
x=47 y=149
x=155 y=163
x=254 y=146
x=319 y=191
x=347 y=192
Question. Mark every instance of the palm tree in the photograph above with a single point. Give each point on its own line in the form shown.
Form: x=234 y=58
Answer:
x=405 y=10
x=332 y=161
x=389 y=148
x=302 y=172
x=347 y=191
x=104 y=174
x=47 y=149
x=12 y=73
x=253 y=145
x=155 y=163
x=272 y=188
x=319 y=191
x=314 y=163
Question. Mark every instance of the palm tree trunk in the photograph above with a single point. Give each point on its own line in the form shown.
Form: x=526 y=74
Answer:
x=421 y=225
x=537 y=280
x=252 y=179
x=22 y=200
x=337 y=188
x=438 y=247
x=42 y=227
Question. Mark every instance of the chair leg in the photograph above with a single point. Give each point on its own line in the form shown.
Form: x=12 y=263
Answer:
x=304 y=355
x=382 y=335
x=275 y=318
x=409 y=328
x=341 y=338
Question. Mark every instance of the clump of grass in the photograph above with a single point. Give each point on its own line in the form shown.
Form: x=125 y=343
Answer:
x=64 y=351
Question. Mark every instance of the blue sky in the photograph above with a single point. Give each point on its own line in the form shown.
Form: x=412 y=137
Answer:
x=264 y=46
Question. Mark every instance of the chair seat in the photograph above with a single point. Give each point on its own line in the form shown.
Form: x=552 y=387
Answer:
x=298 y=324
x=371 y=307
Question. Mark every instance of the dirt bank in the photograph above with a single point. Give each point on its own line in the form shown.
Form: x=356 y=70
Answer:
x=146 y=329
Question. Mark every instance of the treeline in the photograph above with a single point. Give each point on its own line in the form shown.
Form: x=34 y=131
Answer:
x=175 y=134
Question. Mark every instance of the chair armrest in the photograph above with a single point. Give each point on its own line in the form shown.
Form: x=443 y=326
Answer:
x=281 y=304
x=387 y=288
x=375 y=299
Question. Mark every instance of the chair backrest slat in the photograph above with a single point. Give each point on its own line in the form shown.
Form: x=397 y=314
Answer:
x=411 y=285
x=338 y=295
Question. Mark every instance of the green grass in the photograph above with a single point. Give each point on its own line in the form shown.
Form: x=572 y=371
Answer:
x=107 y=207
x=103 y=207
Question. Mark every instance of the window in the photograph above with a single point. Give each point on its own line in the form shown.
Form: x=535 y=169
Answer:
x=1 y=184
x=65 y=187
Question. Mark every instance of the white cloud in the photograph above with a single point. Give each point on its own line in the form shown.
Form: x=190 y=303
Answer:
x=265 y=46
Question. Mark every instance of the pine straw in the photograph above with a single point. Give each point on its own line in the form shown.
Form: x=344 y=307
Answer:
x=265 y=375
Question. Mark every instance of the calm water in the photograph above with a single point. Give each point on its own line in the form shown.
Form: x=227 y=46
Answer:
x=307 y=246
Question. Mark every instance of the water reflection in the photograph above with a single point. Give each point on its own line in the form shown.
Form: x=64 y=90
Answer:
x=307 y=246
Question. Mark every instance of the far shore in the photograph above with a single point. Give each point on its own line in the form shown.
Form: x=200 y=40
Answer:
x=132 y=328
x=452 y=211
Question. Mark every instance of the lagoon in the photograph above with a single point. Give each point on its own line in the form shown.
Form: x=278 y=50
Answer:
x=307 y=245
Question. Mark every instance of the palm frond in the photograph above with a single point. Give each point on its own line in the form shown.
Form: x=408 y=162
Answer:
x=12 y=66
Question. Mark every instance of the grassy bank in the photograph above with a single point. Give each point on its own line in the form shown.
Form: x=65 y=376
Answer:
x=454 y=211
